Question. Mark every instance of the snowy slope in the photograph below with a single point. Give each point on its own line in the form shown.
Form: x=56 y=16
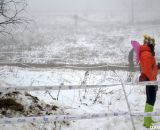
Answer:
x=92 y=39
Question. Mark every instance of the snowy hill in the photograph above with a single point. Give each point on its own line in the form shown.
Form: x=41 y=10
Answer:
x=70 y=38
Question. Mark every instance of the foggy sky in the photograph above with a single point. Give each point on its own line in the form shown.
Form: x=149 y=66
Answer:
x=98 y=5
x=78 y=4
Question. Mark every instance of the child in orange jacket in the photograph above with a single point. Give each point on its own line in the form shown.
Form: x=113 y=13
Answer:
x=149 y=71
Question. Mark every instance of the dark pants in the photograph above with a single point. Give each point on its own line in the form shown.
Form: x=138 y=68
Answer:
x=151 y=91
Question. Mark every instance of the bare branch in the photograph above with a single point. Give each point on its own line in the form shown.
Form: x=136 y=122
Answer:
x=10 y=13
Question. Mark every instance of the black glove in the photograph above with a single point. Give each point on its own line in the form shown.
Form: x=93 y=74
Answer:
x=158 y=65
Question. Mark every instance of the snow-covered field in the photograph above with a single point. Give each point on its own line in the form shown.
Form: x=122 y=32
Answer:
x=86 y=39
x=76 y=39
x=97 y=100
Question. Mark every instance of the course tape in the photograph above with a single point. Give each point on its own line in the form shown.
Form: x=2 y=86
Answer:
x=71 y=87
x=61 y=65
x=51 y=119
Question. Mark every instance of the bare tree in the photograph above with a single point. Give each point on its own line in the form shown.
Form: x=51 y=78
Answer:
x=11 y=13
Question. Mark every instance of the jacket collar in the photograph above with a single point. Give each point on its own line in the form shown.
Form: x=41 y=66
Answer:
x=145 y=47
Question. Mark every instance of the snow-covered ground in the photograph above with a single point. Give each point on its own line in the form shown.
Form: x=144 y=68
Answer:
x=97 y=100
x=86 y=39
x=70 y=38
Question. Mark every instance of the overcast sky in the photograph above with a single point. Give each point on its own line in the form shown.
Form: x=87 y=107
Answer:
x=78 y=4
x=99 y=5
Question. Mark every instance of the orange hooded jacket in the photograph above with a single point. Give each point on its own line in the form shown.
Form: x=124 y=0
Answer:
x=148 y=63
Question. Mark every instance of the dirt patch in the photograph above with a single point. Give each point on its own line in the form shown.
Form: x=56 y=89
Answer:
x=11 y=104
x=24 y=104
